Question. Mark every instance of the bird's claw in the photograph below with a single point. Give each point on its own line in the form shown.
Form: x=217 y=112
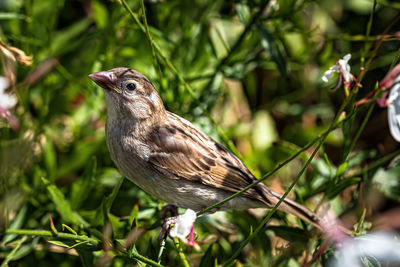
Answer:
x=168 y=221
x=173 y=210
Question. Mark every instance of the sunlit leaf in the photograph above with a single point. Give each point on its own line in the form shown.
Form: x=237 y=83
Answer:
x=82 y=187
x=100 y=14
x=342 y=168
x=63 y=207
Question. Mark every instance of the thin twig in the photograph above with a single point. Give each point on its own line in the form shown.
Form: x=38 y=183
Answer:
x=231 y=260
x=369 y=26
x=12 y=253
x=60 y=235
x=67 y=236
x=162 y=248
x=359 y=131
x=155 y=62
x=137 y=257
x=182 y=256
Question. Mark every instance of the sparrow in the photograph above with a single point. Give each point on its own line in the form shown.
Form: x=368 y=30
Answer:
x=169 y=158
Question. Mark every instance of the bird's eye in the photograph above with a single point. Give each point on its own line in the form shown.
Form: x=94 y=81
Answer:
x=131 y=86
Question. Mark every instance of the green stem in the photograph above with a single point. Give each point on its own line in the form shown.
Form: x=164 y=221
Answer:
x=182 y=256
x=149 y=36
x=162 y=248
x=73 y=237
x=231 y=260
x=60 y=235
x=12 y=253
x=369 y=26
x=360 y=129
x=138 y=257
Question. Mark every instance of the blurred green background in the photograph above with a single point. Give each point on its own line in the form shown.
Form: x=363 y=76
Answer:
x=256 y=66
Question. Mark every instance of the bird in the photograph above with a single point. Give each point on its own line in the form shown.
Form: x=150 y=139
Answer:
x=168 y=157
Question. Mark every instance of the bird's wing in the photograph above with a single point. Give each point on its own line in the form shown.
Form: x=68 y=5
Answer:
x=181 y=151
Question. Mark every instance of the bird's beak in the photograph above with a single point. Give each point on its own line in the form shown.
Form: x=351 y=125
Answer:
x=105 y=79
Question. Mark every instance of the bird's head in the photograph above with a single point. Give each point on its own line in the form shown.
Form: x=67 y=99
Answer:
x=129 y=93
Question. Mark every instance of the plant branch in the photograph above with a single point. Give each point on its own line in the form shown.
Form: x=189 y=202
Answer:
x=60 y=235
x=137 y=257
x=182 y=256
x=10 y=256
x=230 y=261
x=149 y=36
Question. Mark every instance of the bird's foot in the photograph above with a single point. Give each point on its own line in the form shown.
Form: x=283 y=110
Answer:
x=173 y=210
x=183 y=225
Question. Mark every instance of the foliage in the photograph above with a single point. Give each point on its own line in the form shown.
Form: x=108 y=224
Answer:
x=248 y=73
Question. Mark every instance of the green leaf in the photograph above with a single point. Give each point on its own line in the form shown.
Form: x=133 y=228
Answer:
x=102 y=213
x=243 y=13
x=110 y=198
x=134 y=215
x=62 y=205
x=50 y=158
x=82 y=153
x=63 y=38
x=264 y=131
x=100 y=14
x=207 y=259
x=342 y=168
x=117 y=225
x=323 y=168
x=334 y=190
x=80 y=190
x=11 y=15
x=69 y=229
x=11 y=256
x=292 y=234
x=59 y=243
x=15 y=224
x=86 y=257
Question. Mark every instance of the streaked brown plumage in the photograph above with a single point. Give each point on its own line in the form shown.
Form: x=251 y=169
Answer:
x=169 y=158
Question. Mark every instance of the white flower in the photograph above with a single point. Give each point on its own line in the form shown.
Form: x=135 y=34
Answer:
x=342 y=67
x=7 y=101
x=183 y=224
x=394 y=109
x=381 y=247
